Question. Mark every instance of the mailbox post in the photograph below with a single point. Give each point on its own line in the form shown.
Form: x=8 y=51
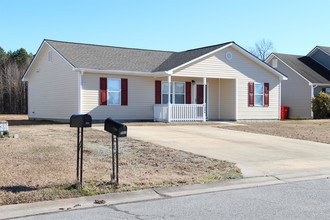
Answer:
x=117 y=130
x=80 y=121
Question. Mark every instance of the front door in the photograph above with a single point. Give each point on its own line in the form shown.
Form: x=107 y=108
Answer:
x=200 y=94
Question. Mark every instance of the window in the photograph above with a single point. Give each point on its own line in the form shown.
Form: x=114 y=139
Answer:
x=258 y=94
x=179 y=92
x=327 y=90
x=165 y=93
x=114 y=90
x=177 y=88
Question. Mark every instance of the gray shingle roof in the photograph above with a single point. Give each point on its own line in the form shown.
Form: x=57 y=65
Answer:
x=127 y=59
x=326 y=49
x=307 y=67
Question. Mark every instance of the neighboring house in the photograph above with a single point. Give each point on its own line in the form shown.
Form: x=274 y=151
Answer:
x=308 y=75
x=220 y=82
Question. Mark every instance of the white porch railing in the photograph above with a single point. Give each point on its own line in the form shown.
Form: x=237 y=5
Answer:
x=179 y=112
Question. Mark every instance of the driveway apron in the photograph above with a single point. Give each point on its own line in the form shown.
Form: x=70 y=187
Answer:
x=255 y=154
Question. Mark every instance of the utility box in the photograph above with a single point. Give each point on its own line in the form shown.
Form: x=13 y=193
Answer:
x=81 y=120
x=115 y=128
x=4 y=129
x=3 y=126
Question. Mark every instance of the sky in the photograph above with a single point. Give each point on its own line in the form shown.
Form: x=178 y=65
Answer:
x=293 y=26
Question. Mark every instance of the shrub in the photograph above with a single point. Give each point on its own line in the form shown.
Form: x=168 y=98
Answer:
x=321 y=105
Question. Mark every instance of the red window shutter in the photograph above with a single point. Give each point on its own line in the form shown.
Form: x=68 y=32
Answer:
x=124 y=92
x=251 y=94
x=158 y=92
x=103 y=91
x=266 y=94
x=188 y=92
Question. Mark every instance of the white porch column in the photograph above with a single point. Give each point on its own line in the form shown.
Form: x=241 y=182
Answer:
x=80 y=75
x=169 y=109
x=204 y=99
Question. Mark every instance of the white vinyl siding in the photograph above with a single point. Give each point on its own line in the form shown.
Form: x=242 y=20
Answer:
x=52 y=87
x=296 y=93
x=243 y=70
x=227 y=99
x=141 y=98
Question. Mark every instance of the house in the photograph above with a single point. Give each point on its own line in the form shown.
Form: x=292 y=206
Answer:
x=308 y=75
x=219 y=82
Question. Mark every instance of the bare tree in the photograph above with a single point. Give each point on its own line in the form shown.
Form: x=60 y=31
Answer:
x=262 y=49
x=13 y=92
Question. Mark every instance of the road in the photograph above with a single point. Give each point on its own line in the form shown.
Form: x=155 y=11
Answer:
x=291 y=200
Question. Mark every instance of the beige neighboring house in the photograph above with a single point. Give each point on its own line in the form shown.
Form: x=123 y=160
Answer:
x=308 y=76
x=220 y=82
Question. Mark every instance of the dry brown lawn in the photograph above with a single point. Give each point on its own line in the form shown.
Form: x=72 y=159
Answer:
x=41 y=163
x=311 y=130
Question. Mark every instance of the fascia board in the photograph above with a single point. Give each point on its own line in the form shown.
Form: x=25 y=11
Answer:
x=199 y=58
x=120 y=72
x=25 y=76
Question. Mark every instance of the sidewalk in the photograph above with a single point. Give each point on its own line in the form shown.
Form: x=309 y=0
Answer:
x=23 y=210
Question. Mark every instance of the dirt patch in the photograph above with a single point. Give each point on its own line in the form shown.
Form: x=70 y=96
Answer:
x=311 y=130
x=41 y=164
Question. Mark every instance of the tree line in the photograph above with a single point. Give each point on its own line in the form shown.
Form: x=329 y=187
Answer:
x=13 y=92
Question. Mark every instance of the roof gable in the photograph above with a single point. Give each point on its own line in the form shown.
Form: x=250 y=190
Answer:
x=109 y=58
x=308 y=68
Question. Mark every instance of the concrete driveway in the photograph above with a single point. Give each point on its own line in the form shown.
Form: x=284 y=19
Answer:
x=255 y=154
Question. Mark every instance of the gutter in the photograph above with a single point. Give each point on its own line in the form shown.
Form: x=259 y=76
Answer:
x=120 y=72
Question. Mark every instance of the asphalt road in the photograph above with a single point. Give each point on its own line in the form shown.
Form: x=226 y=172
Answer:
x=292 y=200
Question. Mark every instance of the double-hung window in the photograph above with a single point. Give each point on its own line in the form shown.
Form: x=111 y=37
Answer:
x=114 y=90
x=258 y=94
x=177 y=92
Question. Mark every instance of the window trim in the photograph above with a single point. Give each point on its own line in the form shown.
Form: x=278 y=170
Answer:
x=115 y=91
x=259 y=94
x=173 y=92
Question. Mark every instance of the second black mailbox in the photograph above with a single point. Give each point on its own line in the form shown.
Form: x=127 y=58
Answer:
x=115 y=128
x=81 y=120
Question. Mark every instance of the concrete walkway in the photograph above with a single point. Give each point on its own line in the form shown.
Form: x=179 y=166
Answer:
x=255 y=154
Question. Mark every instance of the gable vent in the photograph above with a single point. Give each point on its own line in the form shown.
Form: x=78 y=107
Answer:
x=274 y=63
x=50 y=56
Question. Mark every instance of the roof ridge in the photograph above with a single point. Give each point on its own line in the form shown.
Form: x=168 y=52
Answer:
x=288 y=54
x=99 y=45
x=208 y=46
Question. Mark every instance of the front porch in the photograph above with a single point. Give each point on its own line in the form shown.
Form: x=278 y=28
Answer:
x=184 y=99
x=179 y=112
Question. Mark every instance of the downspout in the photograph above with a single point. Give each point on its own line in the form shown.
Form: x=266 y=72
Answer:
x=312 y=96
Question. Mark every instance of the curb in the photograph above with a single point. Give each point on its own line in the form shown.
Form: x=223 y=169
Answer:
x=37 y=208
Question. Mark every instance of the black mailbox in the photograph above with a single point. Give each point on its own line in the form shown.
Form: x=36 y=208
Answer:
x=81 y=120
x=115 y=128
